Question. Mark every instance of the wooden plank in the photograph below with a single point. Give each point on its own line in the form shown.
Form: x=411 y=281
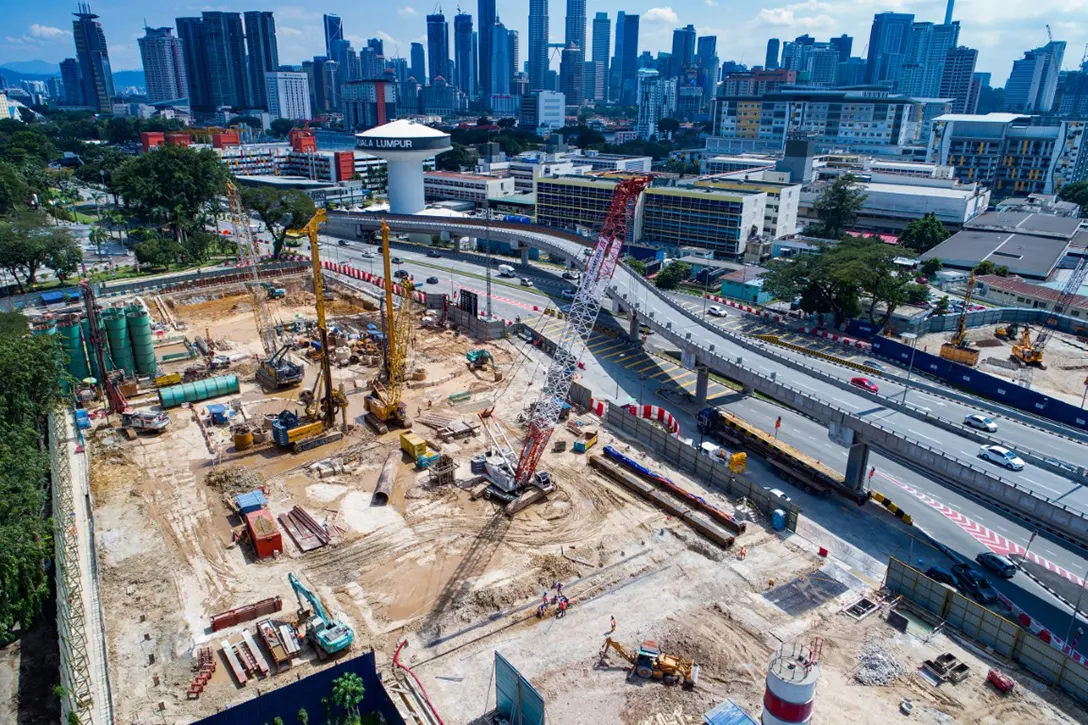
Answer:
x=232 y=660
x=258 y=656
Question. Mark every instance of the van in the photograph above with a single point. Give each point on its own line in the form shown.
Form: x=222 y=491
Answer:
x=710 y=449
x=505 y=270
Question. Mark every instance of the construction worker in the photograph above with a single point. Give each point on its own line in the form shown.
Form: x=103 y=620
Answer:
x=562 y=609
x=559 y=588
x=613 y=625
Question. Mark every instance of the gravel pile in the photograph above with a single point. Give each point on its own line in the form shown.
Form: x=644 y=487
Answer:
x=879 y=666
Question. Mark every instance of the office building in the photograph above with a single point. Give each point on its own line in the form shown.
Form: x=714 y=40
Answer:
x=512 y=49
x=486 y=15
x=844 y=44
x=95 y=75
x=543 y=110
x=571 y=80
x=438 y=48
x=225 y=53
x=417 y=67
x=441 y=99
x=500 y=61
x=164 y=66
x=264 y=54
x=851 y=72
x=706 y=58
x=191 y=35
x=773 y=50
x=368 y=103
x=334 y=30
x=55 y=88
x=627 y=57
x=407 y=98
x=656 y=100
x=1013 y=154
x=756 y=82
x=958 y=79
x=683 y=50
x=888 y=41
x=615 y=68
x=595 y=76
x=1071 y=100
x=923 y=66
x=464 y=54
x=823 y=66
x=538 y=45
x=602 y=32
x=575 y=34
x=288 y=94
x=477 y=188
x=73 y=86
x=783 y=197
x=1033 y=82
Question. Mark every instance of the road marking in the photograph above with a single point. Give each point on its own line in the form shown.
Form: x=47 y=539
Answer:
x=651 y=363
x=922 y=435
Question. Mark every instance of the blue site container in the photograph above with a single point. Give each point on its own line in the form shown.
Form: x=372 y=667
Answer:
x=250 y=501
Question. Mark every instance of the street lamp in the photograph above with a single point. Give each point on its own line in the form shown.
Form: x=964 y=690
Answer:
x=1076 y=610
x=913 y=338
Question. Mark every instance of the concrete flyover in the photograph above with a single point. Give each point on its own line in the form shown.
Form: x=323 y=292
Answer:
x=630 y=291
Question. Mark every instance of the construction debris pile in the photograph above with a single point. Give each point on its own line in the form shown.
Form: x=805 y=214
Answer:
x=879 y=667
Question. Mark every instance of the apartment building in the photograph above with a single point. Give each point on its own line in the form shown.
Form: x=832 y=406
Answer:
x=476 y=188
x=780 y=216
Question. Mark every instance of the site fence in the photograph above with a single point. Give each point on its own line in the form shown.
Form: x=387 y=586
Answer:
x=1005 y=637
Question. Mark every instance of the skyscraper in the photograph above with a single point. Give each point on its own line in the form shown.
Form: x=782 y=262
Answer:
x=571 y=80
x=463 y=55
x=73 y=86
x=615 y=72
x=418 y=66
x=602 y=30
x=264 y=54
x=500 y=60
x=538 y=45
x=773 y=49
x=957 y=79
x=629 y=68
x=683 y=50
x=512 y=49
x=1034 y=79
x=888 y=41
x=948 y=12
x=438 y=47
x=485 y=11
x=576 y=34
x=164 y=67
x=920 y=74
x=95 y=75
x=191 y=35
x=334 y=30
x=706 y=58
x=225 y=53
x=288 y=95
x=844 y=44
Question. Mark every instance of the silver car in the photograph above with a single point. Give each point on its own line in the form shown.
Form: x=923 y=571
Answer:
x=981 y=422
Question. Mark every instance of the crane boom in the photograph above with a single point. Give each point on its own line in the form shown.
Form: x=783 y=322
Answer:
x=384 y=402
x=329 y=403
x=247 y=255
x=571 y=343
x=1031 y=355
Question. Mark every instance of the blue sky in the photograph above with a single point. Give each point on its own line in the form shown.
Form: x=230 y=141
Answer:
x=1000 y=29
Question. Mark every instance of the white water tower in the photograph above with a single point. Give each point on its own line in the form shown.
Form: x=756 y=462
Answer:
x=791 y=684
x=405 y=145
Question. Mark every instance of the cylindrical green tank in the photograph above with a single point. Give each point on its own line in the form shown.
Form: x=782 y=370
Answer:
x=139 y=333
x=117 y=332
x=86 y=327
x=175 y=395
x=71 y=340
x=44 y=325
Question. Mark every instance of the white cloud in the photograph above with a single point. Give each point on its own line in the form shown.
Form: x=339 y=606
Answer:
x=661 y=15
x=711 y=3
x=777 y=16
x=46 y=32
x=407 y=11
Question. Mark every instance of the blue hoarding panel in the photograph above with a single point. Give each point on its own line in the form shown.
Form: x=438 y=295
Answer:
x=516 y=699
x=728 y=713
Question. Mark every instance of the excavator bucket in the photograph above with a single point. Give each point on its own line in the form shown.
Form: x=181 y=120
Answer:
x=691 y=682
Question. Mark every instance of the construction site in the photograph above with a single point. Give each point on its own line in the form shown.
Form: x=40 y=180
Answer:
x=287 y=472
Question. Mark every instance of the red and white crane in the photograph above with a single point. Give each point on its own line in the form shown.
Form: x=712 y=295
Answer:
x=571 y=343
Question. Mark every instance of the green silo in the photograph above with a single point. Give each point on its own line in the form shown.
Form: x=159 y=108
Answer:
x=139 y=333
x=85 y=325
x=117 y=332
x=43 y=325
x=71 y=340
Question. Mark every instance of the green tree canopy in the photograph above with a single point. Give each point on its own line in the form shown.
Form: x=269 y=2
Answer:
x=932 y=266
x=988 y=267
x=668 y=125
x=14 y=191
x=281 y=127
x=672 y=275
x=347 y=692
x=459 y=158
x=170 y=184
x=922 y=235
x=28 y=242
x=279 y=210
x=157 y=252
x=637 y=265
x=1077 y=192
x=838 y=206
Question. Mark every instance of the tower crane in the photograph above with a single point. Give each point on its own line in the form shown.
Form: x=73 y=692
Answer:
x=275 y=370
x=1030 y=355
x=571 y=341
x=384 y=407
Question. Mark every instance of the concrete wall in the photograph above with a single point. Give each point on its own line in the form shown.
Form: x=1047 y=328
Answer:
x=476 y=327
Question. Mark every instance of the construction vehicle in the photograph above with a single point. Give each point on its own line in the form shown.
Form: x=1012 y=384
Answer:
x=273 y=292
x=651 y=663
x=958 y=348
x=328 y=636
x=1008 y=332
x=275 y=370
x=384 y=408
x=479 y=359
x=318 y=425
x=1030 y=356
x=149 y=421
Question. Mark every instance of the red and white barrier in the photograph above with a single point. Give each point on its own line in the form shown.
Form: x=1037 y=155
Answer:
x=1025 y=620
x=653 y=412
x=596 y=407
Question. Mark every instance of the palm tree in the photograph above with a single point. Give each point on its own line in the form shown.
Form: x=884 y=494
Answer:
x=348 y=692
x=97 y=236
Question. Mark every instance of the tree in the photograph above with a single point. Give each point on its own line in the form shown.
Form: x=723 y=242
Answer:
x=922 y=235
x=251 y=121
x=279 y=210
x=157 y=252
x=916 y=294
x=985 y=267
x=303 y=717
x=348 y=692
x=63 y=254
x=97 y=236
x=281 y=127
x=483 y=121
x=507 y=123
x=458 y=158
x=668 y=125
x=672 y=275
x=638 y=266
x=120 y=130
x=14 y=191
x=941 y=307
x=838 y=205
x=27 y=242
x=932 y=266
x=1077 y=192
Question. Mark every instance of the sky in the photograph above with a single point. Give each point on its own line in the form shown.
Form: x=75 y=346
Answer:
x=1000 y=29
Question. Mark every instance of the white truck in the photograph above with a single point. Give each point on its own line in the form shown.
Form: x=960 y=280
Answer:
x=505 y=270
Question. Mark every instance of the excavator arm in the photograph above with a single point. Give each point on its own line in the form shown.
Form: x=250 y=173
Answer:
x=622 y=651
x=301 y=592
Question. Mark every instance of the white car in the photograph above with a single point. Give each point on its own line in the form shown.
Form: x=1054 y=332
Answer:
x=369 y=254
x=1001 y=456
x=778 y=492
x=526 y=282
x=568 y=293
x=716 y=311
x=981 y=422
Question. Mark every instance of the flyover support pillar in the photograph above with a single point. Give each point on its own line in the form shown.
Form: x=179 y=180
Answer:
x=857 y=467
x=632 y=325
x=524 y=255
x=702 y=384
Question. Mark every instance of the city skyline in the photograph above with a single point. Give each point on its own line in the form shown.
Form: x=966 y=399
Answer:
x=40 y=31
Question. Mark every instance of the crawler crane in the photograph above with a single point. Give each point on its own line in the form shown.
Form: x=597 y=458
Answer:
x=384 y=407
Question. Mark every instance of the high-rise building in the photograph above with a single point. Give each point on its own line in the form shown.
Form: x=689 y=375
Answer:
x=225 y=50
x=288 y=94
x=948 y=12
x=486 y=15
x=334 y=30
x=376 y=45
x=958 y=78
x=512 y=48
x=418 y=68
x=844 y=44
x=706 y=58
x=683 y=50
x=438 y=47
x=888 y=41
x=264 y=54
x=164 y=66
x=369 y=103
x=923 y=66
x=538 y=45
x=571 y=81
x=95 y=74
x=1071 y=100
x=602 y=31
x=615 y=70
x=656 y=100
x=575 y=26
x=500 y=60
x=399 y=67
x=593 y=75
x=629 y=61
x=851 y=72
x=823 y=66
x=191 y=35
x=773 y=50
x=1033 y=82
x=463 y=54
x=73 y=86
x=55 y=87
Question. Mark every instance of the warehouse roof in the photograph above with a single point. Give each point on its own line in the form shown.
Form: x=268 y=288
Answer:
x=1024 y=254
x=1026 y=222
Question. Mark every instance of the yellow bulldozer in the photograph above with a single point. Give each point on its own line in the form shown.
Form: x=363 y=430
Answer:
x=650 y=663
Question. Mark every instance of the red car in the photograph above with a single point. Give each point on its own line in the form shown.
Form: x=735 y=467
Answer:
x=864 y=384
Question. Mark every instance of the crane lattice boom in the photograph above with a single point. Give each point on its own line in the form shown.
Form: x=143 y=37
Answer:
x=571 y=343
x=247 y=254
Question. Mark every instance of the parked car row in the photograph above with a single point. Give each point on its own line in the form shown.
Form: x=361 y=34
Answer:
x=973 y=583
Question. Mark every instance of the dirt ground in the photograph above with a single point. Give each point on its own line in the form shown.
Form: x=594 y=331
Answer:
x=1066 y=359
x=29 y=670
